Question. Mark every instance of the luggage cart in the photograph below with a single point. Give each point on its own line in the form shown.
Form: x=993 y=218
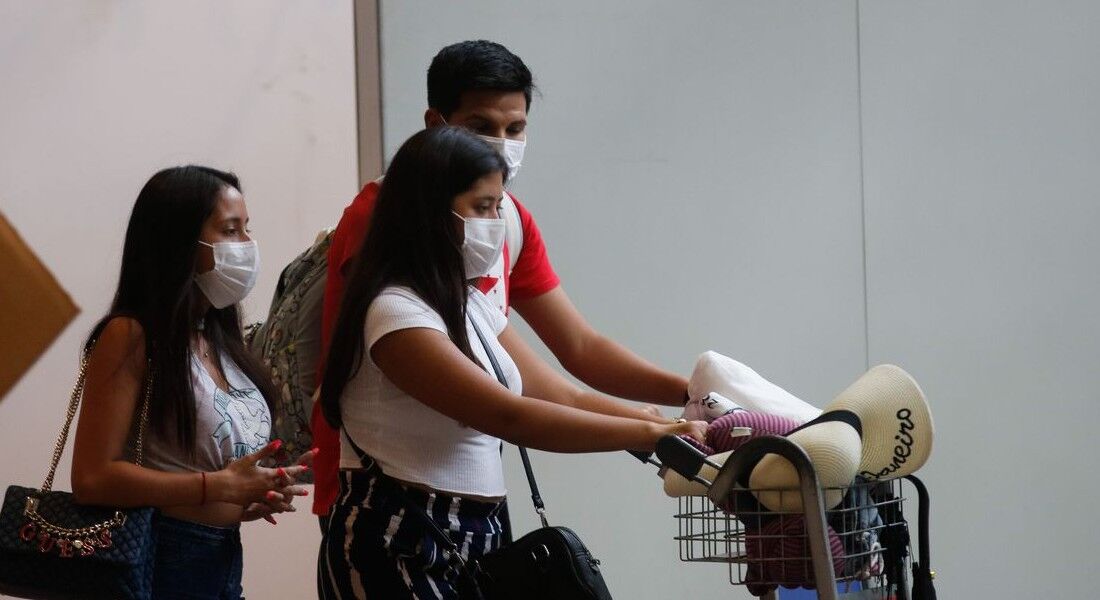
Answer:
x=864 y=538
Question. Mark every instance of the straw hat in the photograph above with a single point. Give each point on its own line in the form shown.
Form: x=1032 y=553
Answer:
x=880 y=427
x=895 y=420
x=832 y=444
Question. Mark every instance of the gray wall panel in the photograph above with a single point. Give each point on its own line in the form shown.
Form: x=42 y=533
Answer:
x=981 y=128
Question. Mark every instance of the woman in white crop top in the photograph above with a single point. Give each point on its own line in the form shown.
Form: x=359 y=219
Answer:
x=174 y=332
x=410 y=382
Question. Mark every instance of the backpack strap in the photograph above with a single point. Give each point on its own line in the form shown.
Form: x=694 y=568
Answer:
x=513 y=229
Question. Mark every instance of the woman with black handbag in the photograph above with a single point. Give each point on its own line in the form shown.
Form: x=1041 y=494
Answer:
x=410 y=382
x=169 y=358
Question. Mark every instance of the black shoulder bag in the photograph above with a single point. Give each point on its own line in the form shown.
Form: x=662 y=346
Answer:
x=550 y=563
x=53 y=548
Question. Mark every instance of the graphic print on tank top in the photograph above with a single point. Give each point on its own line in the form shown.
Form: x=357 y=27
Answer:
x=246 y=423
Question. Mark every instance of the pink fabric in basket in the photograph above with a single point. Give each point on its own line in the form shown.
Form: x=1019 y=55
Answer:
x=779 y=554
x=718 y=432
x=700 y=447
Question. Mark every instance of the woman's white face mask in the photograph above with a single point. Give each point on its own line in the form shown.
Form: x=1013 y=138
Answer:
x=236 y=266
x=482 y=245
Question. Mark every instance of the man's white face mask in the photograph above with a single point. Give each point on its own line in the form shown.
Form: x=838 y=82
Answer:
x=510 y=150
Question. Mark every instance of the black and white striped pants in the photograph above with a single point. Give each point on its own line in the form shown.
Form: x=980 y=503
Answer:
x=375 y=549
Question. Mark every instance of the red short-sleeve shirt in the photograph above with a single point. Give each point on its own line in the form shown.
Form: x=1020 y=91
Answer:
x=532 y=276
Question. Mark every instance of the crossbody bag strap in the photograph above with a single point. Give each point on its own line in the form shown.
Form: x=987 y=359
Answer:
x=363 y=456
x=536 y=497
x=454 y=553
x=463 y=567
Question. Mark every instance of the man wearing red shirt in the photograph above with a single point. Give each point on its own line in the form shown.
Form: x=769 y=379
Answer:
x=482 y=86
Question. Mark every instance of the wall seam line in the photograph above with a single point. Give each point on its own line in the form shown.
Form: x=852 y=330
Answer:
x=862 y=190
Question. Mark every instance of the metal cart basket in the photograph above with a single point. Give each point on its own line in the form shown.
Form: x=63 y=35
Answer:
x=864 y=538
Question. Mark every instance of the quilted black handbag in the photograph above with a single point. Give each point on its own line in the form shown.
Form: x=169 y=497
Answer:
x=52 y=548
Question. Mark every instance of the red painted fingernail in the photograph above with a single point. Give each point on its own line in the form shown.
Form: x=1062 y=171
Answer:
x=306 y=492
x=271 y=495
x=316 y=451
x=305 y=468
x=280 y=472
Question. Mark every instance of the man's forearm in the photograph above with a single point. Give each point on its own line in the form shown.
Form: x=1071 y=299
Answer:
x=614 y=370
x=593 y=358
x=598 y=403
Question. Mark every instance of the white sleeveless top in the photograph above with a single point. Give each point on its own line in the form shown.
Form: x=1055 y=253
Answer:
x=411 y=441
x=228 y=424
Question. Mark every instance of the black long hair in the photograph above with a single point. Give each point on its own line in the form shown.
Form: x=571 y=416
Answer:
x=156 y=288
x=412 y=241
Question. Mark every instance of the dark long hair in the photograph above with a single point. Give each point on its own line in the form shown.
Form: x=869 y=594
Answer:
x=156 y=288
x=412 y=241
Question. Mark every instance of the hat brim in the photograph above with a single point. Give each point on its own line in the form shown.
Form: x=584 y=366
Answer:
x=895 y=421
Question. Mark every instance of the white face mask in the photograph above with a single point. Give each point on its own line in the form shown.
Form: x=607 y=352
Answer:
x=483 y=245
x=236 y=266
x=510 y=150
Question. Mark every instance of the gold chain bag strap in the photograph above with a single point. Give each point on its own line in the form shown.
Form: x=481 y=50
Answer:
x=52 y=547
x=83 y=539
